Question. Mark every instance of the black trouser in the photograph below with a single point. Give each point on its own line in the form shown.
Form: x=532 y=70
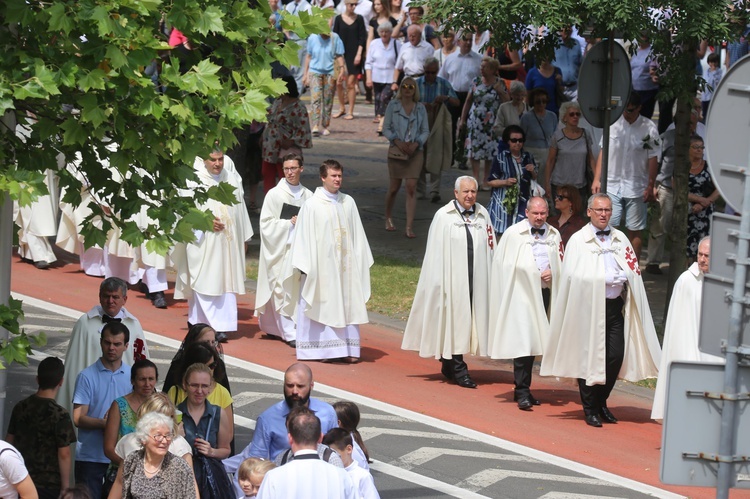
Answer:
x=595 y=397
x=523 y=366
x=456 y=365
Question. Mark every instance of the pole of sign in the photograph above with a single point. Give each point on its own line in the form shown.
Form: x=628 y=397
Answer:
x=607 y=111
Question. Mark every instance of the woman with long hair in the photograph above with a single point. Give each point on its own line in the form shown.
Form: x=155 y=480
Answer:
x=198 y=333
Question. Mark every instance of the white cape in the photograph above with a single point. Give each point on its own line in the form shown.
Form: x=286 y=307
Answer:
x=518 y=321
x=442 y=322
x=36 y=222
x=681 y=332
x=576 y=347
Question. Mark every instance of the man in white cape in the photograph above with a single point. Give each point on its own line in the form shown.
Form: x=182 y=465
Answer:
x=36 y=223
x=525 y=279
x=276 y=235
x=211 y=269
x=450 y=313
x=600 y=326
x=84 y=347
x=330 y=272
x=681 y=330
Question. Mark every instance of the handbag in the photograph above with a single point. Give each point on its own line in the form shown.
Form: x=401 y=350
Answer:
x=395 y=153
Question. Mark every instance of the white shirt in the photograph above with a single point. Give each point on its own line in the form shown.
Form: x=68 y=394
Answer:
x=381 y=60
x=363 y=8
x=539 y=249
x=461 y=69
x=630 y=148
x=12 y=470
x=411 y=58
x=614 y=277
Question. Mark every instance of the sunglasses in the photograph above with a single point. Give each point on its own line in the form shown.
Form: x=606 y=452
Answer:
x=560 y=197
x=574 y=115
x=409 y=86
x=515 y=141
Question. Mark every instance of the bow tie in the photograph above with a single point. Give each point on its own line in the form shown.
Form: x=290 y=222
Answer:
x=107 y=319
x=467 y=213
x=602 y=232
x=537 y=231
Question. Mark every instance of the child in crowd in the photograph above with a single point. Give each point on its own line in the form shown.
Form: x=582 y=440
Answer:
x=250 y=475
x=348 y=416
x=712 y=75
x=341 y=441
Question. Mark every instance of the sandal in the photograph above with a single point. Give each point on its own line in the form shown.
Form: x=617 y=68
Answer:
x=349 y=117
x=376 y=119
x=339 y=114
x=409 y=233
x=389 y=225
x=315 y=131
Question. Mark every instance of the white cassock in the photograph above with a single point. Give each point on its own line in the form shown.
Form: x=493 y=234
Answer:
x=681 y=332
x=330 y=248
x=211 y=270
x=275 y=242
x=37 y=222
x=576 y=347
x=519 y=326
x=304 y=477
x=443 y=322
x=84 y=348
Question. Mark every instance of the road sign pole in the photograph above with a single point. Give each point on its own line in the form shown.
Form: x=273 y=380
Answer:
x=728 y=439
x=607 y=112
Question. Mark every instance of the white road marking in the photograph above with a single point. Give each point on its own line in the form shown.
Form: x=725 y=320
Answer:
x=425 y=454
x=370 y=432
x=35 y=328
x=45 y=317
x=245 y=398
x=568 y=495
x=244 y=422
x=488 y=477
x=430 y=483
x=256 y=381
x=405 y=413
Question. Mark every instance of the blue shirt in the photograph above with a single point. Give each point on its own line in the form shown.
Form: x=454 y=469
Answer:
x=323 y=52
x=568 y=58
x=428 y=92
x=97 y=387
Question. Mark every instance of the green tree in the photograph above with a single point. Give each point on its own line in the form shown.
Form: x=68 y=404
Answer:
x=73 y=76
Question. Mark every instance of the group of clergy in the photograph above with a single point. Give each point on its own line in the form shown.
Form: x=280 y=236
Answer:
x=582 y=307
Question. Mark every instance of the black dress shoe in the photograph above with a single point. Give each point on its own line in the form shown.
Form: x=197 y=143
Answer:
x=531 y=397
x=525 y=404
x=446 y=370
x=222 y=337
x=606 y=416
x=292 y=343
x=593 y=420
x=41 y=264
x=465 y=382
x=158 y=299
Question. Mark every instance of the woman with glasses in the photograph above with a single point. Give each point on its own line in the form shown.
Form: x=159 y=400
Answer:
x=153 y=471
x=379 y=65
x=701 y=196
x=568 y=205
x=570 y=160
x=198 y=333
x=122 y=418
x=539 y=124
x=510 y=179
x=208 y=430
x=178 y=446
x=406 y=128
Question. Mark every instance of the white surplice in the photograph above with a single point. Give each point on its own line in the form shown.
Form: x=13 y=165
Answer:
x=275 y=243
x=302 y=477
x=37 y=222
x=681 y=332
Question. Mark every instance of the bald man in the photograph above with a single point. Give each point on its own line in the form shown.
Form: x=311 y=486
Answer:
x=270 y=436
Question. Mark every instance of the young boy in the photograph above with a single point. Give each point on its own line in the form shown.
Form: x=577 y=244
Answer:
x=42 y=431
x=250 y=475
x=340 y=440
x=712 y=75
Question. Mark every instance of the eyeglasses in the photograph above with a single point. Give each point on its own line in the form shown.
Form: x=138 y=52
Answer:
x=574 y=115
x=560 y=197
x=291 y=169
x=601 y=211
x=158 y=438
x=515 y=140
x=198 y=386
x=408 y=86
x=697 y=147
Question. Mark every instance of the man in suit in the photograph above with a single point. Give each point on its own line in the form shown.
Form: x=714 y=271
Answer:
x=307 y=475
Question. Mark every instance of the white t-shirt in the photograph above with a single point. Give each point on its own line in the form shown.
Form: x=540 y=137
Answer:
x=12 y=470
x=128 y=443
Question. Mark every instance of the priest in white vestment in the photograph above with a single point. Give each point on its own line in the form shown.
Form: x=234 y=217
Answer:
x=450 y=313
x=681 y=331
x=84 y=347
x=36 y=223
x=600 y=326
x=211 y=269
x=277 y=224
x=525 y=278
x=306 y=475
x=330 y=272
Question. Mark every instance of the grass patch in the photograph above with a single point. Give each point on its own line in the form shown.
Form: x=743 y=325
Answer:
x=392 y=281
x=648 y=383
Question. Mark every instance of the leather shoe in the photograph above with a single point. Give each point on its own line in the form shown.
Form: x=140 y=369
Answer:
x=593 y=420
x=465 y=382
x=292 y=343
x=446 y=370
x=525 y=404
x=606 y=416
x=158 y=299
x=41 y=264
x=531 y=397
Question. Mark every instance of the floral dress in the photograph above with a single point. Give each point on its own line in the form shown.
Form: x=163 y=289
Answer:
x=479 y=141
x=699 y=224
x=508 y=204
x=290 y=122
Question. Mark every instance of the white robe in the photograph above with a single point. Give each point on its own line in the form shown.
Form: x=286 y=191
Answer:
x=442 y=322
x=84 y=348
x=519 y=326
x=576 y=347
x=307 y=478
x=275 y=242
x=36 y=222
x=214 y=264
x=330 y=247
x=681 y=332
